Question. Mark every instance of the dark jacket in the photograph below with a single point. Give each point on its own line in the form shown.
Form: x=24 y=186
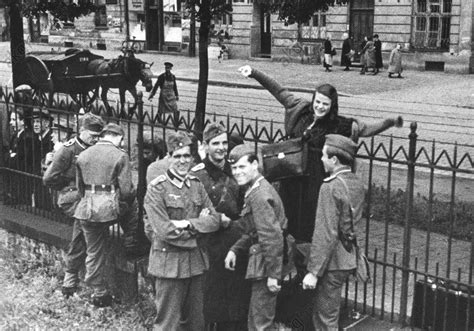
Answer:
x=378 y=54
x=160 y=81
x=226 y=293
x=346 y=48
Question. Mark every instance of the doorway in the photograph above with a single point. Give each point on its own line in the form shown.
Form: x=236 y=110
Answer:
x=361 y=23
x=265 y=33
x=152 y=29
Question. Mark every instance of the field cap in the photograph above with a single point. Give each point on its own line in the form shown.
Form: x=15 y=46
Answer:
x=113 y=128
x=168 y=64
x=177 y=140
x=240 y=151
x=213 y=130
x=341 y=144
x=92 y=122
x=41 y=113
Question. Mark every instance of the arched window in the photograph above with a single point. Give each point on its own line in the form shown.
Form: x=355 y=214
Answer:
x=432 y=24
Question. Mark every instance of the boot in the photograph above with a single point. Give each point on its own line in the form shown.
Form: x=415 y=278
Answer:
x=68 y=291
x=102 y=301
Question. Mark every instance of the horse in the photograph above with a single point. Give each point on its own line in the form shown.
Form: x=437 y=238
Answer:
x=129 y=69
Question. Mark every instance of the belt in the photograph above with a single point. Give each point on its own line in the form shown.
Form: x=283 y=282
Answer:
x=100 y=188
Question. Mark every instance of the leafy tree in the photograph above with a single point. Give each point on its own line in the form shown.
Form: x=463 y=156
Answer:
x=62 y=10
x=204 y=11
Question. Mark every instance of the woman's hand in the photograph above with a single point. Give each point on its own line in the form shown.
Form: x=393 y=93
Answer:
x=246 y=70
x=230 y=261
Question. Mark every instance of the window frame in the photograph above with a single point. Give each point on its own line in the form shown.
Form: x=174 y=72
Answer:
x=431 y=25
x=320 y=29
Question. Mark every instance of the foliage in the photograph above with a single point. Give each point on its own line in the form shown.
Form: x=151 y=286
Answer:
x=299 y=11
x=58 y=8
x=441 y=221
x=208 y=9
x=31 y=297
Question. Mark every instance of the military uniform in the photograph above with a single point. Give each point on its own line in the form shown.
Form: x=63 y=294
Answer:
x=104 y=179
x=61 y=176
x=226 y=293
x=265 y=221
x=176 y=259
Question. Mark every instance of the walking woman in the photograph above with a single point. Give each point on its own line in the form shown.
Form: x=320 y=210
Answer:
x=395 y=62
x=328 y=53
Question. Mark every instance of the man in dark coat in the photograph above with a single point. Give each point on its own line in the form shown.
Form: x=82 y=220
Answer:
x=61 y=176
x=226 y=293
x=378 y=53
x=104 y=179
x=346 y=52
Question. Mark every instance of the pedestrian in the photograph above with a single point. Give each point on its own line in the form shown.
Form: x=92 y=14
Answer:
x=329 y=51
x=264 y=221
x=104 y=179
x=362 y=58
x=178 y=210
x=333 y=248
x=378 y=53
x=369 y=56
x=395 y=62
x=226 y=293
x=168 y=100
x=61 y=176
x=314 y=119
x=346 y=52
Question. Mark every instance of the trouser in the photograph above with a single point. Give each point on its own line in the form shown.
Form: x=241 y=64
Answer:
x=327 y=300
x=96 y=236
x=227 y=326
x=75 y=256
x=262 y=307
x=179 y=304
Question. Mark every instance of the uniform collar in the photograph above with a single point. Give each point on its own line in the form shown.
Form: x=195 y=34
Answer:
x=255 y=184
x=214 y=171
x=177 y=180
x=334 y=175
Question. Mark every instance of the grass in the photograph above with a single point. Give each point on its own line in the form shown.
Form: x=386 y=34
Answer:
x=458 y=222
x=31 y=297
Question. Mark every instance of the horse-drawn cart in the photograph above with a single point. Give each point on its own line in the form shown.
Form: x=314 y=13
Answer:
x=78 y=73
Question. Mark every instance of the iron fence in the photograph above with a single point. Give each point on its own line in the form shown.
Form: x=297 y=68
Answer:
x=418 y=219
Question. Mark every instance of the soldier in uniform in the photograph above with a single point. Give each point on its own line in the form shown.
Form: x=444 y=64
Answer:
x=333 y=255
x=61 y=176
x=178 y=209
x=226 y=293
x=264 y=221
x=104 y=179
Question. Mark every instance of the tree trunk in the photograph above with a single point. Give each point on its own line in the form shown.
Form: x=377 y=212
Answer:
x=192 y=32
x=203 y=67
x=17 y=44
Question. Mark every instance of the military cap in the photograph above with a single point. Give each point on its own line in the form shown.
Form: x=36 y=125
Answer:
x=240 y=151
x=213 y=130
x=113 y=128
x=235 y=139
x=168 y=64
x=92 y=122
x=341 y=145
x=178 y=140
x=41 y=113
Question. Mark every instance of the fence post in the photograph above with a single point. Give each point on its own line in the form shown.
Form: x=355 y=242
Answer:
x=407 y=230
x=141 y=169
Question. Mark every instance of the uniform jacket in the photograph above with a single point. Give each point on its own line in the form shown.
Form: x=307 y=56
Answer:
x=264 y=220
x=334 y=213
x=61 y=173
x=300 y=195
x=103 y=164
x=175 y=253
x=226 y=293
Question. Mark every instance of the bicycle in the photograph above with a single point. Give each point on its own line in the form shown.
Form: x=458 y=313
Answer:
x=136 y=46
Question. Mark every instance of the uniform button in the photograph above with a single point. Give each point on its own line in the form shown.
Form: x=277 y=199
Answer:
x=214 y=187
x=163 y=249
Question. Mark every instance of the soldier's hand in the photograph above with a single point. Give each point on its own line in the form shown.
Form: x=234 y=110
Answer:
x=272 y=285
x=201 y=150
x=246 y=70
x=230 y=261
x=310 y=281
x=205 y=212
x=225 y=221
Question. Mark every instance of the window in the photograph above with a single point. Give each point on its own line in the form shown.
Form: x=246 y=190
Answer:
x=224 y=19
x=432 y=22
x=315 y=28
x=100 y=18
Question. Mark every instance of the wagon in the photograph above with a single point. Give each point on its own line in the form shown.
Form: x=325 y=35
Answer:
x=66 y=72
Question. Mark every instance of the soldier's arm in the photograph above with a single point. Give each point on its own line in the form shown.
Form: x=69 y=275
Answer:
x=79 y=180
x=53 y=177
x=270 y=234
x=242 y=245
x=127 y=192
x=160 y=222
x=209 y=223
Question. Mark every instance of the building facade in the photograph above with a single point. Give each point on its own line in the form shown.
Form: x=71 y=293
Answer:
x=434 y=34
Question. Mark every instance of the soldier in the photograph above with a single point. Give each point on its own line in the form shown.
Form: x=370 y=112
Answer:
x=226 y=293
x=104 y=179
x=265 y=221
x=333 y=254
x=178 y=209
x=61 y=176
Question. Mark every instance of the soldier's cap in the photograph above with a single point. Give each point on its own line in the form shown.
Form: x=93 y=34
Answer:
x=112 y=128
x=235 y=139
x=341 y=145
x=92 y=122
x=177 y=140
x=41 y=113
x=168 y=64
x=213 y=130
x=240 y=151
